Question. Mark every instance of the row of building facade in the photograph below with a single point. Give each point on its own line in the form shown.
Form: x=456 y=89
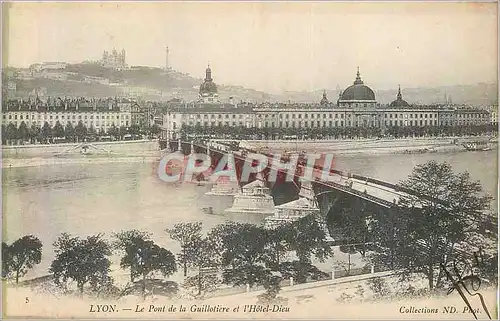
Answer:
x=355 y=107
x=98 y=113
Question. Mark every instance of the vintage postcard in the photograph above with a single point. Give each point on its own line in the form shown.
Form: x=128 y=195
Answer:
x=250 y=160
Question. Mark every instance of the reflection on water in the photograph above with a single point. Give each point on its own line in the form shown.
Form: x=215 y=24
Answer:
x=105 y=198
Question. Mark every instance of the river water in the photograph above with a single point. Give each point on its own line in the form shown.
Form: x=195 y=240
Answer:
x=87 y=199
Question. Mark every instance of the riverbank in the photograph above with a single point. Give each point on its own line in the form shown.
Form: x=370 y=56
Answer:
x=148 y=150
x=82 y=160
x=364 y=146
x=119 y=148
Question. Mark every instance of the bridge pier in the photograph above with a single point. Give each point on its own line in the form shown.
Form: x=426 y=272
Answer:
x=333 y=197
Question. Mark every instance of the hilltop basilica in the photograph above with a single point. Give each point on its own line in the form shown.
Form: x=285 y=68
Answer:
x=114 y=60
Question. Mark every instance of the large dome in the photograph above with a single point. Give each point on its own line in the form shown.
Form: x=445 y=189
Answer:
x=208 y=87
x=358 y=91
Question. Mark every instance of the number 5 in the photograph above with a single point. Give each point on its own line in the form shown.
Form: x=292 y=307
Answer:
x=27 y=300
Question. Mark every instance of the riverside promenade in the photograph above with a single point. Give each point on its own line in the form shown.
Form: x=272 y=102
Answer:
x=370 y=146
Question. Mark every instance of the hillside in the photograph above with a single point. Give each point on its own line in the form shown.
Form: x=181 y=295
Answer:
x=89 y=79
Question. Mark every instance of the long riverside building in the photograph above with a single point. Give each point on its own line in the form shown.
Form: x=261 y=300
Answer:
x=355 y=107
x=97 y=113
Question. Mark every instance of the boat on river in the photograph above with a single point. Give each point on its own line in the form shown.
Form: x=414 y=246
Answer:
x=477 y=146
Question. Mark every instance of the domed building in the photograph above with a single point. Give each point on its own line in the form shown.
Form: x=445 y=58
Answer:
x=208 y=89
x=399 y=102
x=357 y=95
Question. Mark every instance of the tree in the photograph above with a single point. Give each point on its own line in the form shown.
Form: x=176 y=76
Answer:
x=69 y=131
x=122 y=131
x=46 y=132
x=81 y=260
x=6 y=260
x=278 y=243
x=11 y=132
x=202 y=283
x=92 y=131
x=310 y=238
x=442 y=212
x=113 y=131
x=388 y=234
x=272 y=285
x=301 y=271
x=58 y=130
x=80 y=131
x=243 y=249
x=144 y=258
x=155 y=129
x=23 y=131
x=187 y=235
x=355 y=221
x=204 y=257
x=4 y=130
x=246 y=273
x=34 y=133
x=129 y=241
x=134 y=129
x=224 y=239
x=23 y=254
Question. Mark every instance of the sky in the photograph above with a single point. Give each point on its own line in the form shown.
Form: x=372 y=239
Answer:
x=273 y=47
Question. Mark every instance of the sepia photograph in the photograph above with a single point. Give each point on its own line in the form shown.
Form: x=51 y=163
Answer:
x=249 y=160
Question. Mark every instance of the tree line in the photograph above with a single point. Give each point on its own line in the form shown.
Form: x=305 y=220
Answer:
x=444 y=218
x=11 y=134
x=244 y=254
x=241 y=132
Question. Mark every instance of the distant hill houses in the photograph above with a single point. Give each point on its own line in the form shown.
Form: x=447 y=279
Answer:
x=111 y=76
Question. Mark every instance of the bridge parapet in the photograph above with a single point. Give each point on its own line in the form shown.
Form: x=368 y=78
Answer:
x=388 y=193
